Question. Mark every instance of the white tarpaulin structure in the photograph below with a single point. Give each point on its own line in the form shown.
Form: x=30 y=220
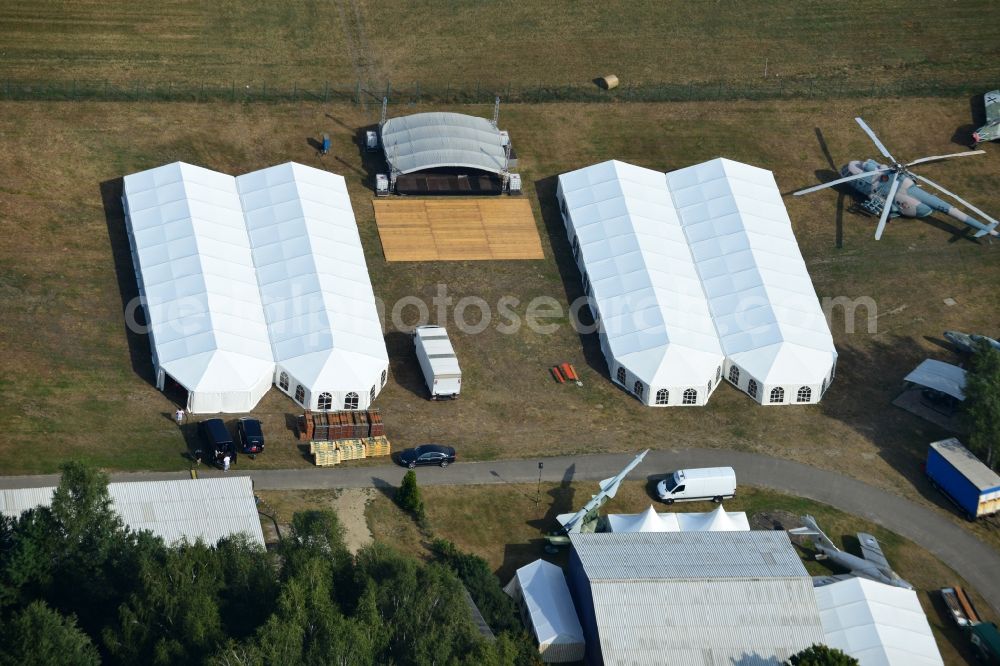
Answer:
x=318 y=300
x=649 y=520
x=877 y=624
x=196 y=277
x=540 y=591
x=696 y=275
x=939 y=376
x=656 y=328
x=441 y=139
x=237 y=274
x=191 y=509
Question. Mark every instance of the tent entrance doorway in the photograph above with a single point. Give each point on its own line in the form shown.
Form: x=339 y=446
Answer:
x=175 y=393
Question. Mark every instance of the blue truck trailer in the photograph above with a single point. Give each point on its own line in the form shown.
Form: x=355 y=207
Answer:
x=960 y=475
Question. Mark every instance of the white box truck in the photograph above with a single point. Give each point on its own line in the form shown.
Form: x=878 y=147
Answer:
x=438 y=361
x=705 y=483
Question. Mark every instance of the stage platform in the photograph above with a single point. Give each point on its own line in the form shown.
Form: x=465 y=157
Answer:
x=457 y=229
x=425 y=184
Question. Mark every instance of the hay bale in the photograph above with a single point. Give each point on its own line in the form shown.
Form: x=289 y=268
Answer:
x=608 y=82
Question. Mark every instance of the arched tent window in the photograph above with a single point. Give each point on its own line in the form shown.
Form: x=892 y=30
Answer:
x=734 y=375
x=565 y=209
x=576 y=247
x=710 y=386
x=690 y=397
x=383 y=377
x=325 y=401
x=586 y=283
x=822 y=390
x=621 y=376
x=663 y=397
x=777 y=395
x=351 y=400
x=637 y=388
x=718 y=373
x=752 y=388
x=371 y=395
x=805 y=394
x=283 y=381
x=300 y=394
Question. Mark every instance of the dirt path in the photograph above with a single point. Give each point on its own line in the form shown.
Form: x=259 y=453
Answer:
x=350 y=506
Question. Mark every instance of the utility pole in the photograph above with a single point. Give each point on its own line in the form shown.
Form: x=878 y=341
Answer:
x=538 y=488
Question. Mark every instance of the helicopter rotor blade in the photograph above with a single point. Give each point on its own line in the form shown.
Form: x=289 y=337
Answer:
x=887 y=207
x=957 y=198
x=846 y=179
x=934 y=158
x=875 y=140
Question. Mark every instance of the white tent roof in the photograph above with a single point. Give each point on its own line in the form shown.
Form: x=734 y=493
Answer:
x=654 y=312
x=762 y=299
x=543 y=588
x=714 y=521
x=940 y=376
x=649 y=520
x=317 y=295
x=440 y=139
x=197 y=275
x=877 y=624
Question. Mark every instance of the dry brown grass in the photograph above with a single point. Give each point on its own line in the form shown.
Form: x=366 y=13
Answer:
x=438 y=43
x=73 y=386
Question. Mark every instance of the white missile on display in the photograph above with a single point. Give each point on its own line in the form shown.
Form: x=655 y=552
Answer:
x=573 y=523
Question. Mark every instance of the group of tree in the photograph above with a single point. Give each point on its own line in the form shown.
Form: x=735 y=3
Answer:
x=821 y=655
x=982 y=403
x=79 y=587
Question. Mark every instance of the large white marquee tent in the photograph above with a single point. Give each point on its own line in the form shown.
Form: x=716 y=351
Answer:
x=318 y=299
x=196 y=277
x=694 y=276
x=252 y=281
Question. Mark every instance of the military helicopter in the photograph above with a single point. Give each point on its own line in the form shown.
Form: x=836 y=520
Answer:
x=895 y=183
x=991 y=130
x=872 y=565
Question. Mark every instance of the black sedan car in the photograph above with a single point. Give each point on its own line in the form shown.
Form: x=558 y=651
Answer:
x=250 y=436
x=427 y=454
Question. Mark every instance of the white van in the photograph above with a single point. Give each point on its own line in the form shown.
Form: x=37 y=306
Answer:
x=437 y=359
x=705 y=483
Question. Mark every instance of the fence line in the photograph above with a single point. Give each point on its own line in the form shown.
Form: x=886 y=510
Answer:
x=415 y=92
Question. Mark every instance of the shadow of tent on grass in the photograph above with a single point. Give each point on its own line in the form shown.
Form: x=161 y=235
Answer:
x=140 y=354
x=569 y=273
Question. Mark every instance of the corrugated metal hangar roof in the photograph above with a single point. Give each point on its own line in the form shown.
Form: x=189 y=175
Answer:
x=696 y=598
x=207 y=509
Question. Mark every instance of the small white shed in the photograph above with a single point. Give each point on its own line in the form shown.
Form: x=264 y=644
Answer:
x=547 y=609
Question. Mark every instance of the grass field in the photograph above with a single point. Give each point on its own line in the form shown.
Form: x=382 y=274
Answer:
x=505 y=526
x=439 y=43
x=74 y=384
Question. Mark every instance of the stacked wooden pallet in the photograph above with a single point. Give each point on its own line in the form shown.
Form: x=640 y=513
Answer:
x=377 y=446
x=333 y=426
x=327 y=453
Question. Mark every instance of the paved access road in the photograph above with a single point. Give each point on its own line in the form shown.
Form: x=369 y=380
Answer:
x=975 y=561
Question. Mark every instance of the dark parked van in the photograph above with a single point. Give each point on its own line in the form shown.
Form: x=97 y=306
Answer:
x=219 y=442
x=250 y=436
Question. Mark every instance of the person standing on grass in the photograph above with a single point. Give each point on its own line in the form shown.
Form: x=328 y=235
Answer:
x=179 y=416
x=225 y=463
